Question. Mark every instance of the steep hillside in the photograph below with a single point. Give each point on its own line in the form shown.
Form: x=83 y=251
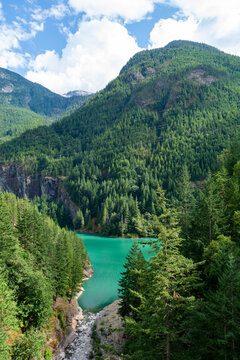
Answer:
x=20 y=92
x=35 y=270
x=14 y=121
x=168 y=107
x=26 y=105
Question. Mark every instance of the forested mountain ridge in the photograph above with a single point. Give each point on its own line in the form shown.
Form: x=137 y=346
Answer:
x=17 y=91
x=26 y=105
x=168 y=107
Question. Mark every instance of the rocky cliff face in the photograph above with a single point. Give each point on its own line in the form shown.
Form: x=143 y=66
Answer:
x=62 y=331
x=14 y=180
x=108 y=334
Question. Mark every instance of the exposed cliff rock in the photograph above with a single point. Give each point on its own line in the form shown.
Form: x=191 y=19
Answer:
x=108 y=333
x=66 y=317
x=14 y=180
x=98 y=336
x=76 y=343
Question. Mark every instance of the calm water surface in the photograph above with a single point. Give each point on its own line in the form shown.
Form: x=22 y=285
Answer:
x=107 y=257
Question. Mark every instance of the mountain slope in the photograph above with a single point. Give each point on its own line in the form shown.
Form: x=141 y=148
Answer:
x=26 y=105
x=35 y=270
x=168 y=107
x=20 y=92
x=14 y=121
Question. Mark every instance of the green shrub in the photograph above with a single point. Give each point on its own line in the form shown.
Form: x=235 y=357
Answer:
x=48 y=354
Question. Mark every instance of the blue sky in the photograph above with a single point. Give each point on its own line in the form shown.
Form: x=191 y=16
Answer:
x=83 y=44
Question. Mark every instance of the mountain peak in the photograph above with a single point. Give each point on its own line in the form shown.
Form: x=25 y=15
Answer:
x=77 y=93
x=159 y=55
x=179 y=43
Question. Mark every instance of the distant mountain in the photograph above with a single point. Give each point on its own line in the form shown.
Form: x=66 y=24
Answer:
x=25 y=105
x=77 y=93
x=17 y=91
x=169 y=107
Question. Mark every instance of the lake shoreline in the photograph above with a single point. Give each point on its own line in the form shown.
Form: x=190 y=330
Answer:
x=87 y=276
x=90 y=232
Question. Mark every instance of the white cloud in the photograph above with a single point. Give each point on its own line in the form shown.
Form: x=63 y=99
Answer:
x=167 y=30
x=92 y=57
x=10 y=38
x=11 y=59
x=129 y=10
x=11 y=35
x=207 y=8
x=214 y=22
x=57 y=11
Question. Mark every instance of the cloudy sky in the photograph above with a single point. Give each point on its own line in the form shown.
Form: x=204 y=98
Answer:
x=82 y=44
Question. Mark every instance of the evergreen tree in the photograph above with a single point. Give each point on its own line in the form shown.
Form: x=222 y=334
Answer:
x=132 y=281
x=7 y=239
x=79 y=220
x=8 y=318
x=222 y=311
x=215 y=326
x=167 y=298
x=186 y=201
x=210 y=208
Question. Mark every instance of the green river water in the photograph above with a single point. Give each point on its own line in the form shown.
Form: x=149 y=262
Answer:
x=107 y=257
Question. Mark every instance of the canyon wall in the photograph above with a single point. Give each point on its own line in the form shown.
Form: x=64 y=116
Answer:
x=14 y=180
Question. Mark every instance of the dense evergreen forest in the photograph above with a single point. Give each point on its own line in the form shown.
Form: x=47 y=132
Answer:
x=39 y=262
x=169 y=107
x=184 y=302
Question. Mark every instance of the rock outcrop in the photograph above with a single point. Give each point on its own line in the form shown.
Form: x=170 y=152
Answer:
x=109 y=332
x=99 y=335
x=14 y=180
x=67 y=316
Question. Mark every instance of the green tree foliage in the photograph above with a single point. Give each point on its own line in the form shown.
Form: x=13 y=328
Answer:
x=39 y=260
x=8 y=318
x=79 y=220
x=166 y=298
x=28 y=346
x=184 y=313
x=215 y=329
x=185 y=201
x=55 y=209
x=132 y=281
x=7 y=239
x=222 y=312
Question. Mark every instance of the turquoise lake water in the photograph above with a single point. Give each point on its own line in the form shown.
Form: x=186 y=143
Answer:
x=107 y=257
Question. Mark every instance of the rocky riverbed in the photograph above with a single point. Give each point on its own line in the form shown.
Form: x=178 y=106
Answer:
x=81 y=347
x=109 y=330
x=74 y=341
